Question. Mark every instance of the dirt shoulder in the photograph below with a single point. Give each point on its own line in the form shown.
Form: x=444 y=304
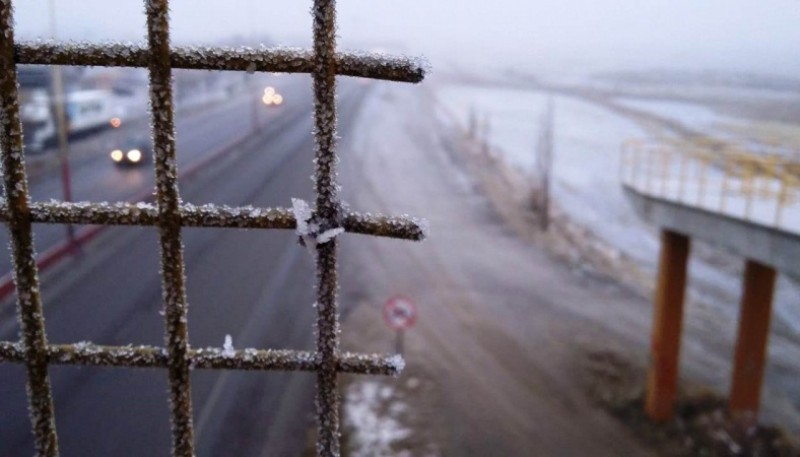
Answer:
x=517 y=331
x=501 y=318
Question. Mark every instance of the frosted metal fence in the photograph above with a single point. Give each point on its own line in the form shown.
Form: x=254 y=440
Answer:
x=317 y=226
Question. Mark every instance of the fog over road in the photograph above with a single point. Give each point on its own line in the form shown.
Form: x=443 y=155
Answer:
x=255 y=285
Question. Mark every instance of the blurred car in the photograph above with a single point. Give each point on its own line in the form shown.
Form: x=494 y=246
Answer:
x=133 y=151
x=272 y=97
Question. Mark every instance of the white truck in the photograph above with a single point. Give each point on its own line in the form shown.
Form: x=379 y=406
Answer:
x=85 y=111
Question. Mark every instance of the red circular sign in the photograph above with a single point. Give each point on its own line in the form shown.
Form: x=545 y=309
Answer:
x=399 y=312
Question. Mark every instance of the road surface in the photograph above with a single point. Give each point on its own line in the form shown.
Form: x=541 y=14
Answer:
x=256 y=286
x=506 y=328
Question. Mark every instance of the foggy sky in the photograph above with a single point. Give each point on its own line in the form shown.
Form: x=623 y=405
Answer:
x=750 y=35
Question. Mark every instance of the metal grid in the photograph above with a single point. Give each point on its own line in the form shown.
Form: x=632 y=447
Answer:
x=169 y=214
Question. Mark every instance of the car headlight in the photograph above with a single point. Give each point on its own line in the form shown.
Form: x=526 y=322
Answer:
x=277 y=99
x=116 y=155
x=134 y=155
x=267 y=99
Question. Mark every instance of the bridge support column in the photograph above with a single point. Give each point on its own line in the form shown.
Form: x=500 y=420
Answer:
x=751 y=343
x=662 y=377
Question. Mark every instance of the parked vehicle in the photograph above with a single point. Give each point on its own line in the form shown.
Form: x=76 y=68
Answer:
x=37 y=120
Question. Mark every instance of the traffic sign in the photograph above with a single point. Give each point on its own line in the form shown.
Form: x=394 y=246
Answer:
x=399 y=312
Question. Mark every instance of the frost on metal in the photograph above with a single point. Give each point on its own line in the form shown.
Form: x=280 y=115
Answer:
x=312 y=232
x=260 y=59
x=29 y=304
x=251 y=359
x=318 y=227
x=168 y=200
x=214 y=216
x=227 y=347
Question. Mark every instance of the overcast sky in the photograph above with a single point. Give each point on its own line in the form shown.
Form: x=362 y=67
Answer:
x=752 y=35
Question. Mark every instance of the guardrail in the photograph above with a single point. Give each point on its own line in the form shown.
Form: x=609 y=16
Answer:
x=759 y=185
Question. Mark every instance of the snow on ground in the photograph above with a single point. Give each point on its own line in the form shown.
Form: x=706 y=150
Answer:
x=372 y=414
x=586 y=165
x=703 y=119
x=513 y=118
x=698 y=117
x=586 y=175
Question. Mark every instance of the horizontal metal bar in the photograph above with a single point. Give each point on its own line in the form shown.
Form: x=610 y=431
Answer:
x=90 y=354
x=212 y=216
x=279 y=60
x=401 y=227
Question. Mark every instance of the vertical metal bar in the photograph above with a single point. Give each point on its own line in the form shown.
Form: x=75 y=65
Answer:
x=782 y=194
x=682 y=175
x=666 y=172
x=724 y=188
x=662 y=376
x=701 y=187
x=635 y=166
x=29 y=304
x=168 y=198
x=324 y=76
x=748 y=187
x=766 y=171
x=751 y=343
x=648 y=178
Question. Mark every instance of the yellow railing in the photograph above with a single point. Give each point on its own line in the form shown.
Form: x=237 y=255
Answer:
x=759 y=185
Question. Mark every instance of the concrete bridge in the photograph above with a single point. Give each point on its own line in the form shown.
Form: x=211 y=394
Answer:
x=747 y=203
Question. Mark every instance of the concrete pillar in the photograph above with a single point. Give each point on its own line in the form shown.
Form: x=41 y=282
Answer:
x=751 y=342
x=662 y=377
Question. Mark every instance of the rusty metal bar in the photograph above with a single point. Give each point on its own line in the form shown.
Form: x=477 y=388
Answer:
x=89 y=354
x=276 y=60
x=29 y=304
x=212 y=216
x=169 y=223
x=324 y=85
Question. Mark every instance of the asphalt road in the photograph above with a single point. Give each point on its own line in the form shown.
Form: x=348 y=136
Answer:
x=95 y=178
x=254 y=285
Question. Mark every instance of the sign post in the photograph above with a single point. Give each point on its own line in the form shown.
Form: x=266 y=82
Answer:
x=400 y=314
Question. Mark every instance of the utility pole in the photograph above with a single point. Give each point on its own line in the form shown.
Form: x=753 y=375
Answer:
x=544 y=164
x=486 y=130
x=472 y=123
x=256 y=103
x=59 y=116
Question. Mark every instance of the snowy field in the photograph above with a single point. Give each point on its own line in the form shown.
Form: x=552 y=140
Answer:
x=586 y=174
x=704 y=120
x=509 y=117
x=695 y=116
